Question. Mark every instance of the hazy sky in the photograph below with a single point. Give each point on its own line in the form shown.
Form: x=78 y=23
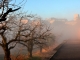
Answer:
x=53 y=8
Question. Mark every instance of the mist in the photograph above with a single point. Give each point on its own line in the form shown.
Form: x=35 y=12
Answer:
x=64 y=29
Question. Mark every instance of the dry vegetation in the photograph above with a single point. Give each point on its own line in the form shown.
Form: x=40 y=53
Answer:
x=45 y=55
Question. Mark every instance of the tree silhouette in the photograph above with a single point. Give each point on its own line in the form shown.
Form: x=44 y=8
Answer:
x=4 y=42
x=3 y=17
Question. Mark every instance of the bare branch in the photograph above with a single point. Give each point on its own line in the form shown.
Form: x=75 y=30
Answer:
x=11 y=47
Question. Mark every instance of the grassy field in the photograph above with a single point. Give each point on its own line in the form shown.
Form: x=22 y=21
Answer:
x=1 y=57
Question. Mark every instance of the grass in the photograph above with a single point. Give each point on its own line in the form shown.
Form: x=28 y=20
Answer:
x=34 y=58
x=1 y=59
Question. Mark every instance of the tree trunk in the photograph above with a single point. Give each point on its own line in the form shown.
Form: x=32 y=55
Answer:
x=30 y=53
x=7 y=53
x=7 y=56
x=30 y=48
x=40 y=49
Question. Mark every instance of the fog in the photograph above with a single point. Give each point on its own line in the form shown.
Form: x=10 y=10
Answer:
x=64 y=29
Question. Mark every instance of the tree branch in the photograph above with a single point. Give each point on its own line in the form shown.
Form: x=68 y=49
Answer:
x=12 y=46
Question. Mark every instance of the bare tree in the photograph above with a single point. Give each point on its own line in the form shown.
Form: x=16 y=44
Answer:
x=4 y=29
x=34 y=33
x=29 y=34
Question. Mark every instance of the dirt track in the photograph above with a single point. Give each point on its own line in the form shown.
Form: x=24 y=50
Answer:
x=68 y=51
